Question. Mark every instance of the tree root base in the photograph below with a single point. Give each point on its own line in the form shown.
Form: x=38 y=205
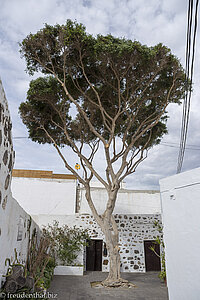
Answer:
x=119 y=284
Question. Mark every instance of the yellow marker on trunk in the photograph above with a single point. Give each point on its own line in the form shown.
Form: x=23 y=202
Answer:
x=77 y=166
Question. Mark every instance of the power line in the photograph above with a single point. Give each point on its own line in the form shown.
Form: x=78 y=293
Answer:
x=186 y=148
x=171 y=144
x=187 y=58
x=20 y=137
x=188 y=80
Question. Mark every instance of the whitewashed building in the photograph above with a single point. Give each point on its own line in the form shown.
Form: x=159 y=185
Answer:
x=180 y=196
x=48 y=197
x=42 y=192
x=14 y=220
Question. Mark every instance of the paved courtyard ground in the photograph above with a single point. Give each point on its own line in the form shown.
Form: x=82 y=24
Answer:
x=148 y=287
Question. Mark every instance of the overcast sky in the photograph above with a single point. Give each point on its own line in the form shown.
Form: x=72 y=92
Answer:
x=150 y=22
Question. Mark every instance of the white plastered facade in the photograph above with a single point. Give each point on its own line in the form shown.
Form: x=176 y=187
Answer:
x=14 y=221
x=180 y=199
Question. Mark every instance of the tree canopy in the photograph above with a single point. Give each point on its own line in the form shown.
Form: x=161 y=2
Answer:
x=99 y=90
x=120 y=88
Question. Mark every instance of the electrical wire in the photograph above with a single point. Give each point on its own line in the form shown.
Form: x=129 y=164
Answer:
x=188 y=80
x=187 y=60
x=186 y=148
x=171 y=144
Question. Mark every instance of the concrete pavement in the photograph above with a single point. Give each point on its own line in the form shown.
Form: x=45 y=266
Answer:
x=149 y=287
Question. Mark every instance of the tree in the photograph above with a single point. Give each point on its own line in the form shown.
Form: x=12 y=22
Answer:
x=96 y=91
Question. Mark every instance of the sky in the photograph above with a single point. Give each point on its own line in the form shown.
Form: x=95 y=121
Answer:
x=150 y=22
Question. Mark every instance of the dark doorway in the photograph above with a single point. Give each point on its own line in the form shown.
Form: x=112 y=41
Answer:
x=94 y=255
x=152 y=261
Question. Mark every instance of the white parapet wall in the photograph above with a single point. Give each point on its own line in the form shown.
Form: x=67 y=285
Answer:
x=15 y=223
x=128 y=201
x=180 y=199
x=42 y=192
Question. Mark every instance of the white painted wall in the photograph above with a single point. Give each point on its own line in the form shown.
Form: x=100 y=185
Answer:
x=180 y=195
x=58 y=197
x=9 y=224
x=44 y=220
x=12 y=216
x=134 y=229
x=98 y=184
x=128 y=201
x=45 y=196
x=69 y=220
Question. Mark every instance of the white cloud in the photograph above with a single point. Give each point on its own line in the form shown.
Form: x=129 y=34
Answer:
x=150 y=22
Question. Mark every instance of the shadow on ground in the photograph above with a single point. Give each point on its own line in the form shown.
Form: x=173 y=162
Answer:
x=148 y=287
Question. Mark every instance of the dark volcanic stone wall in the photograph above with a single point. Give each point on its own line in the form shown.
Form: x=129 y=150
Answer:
x=6 y=150
x=133 y=231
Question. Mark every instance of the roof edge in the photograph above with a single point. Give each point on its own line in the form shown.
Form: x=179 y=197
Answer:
x=40 y=174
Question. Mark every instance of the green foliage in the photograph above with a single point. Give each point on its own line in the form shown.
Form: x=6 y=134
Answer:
x=159 y=241
x=44 y=281
x=102 y=73
x=48 y=272
x=45 y=99
x=66 y=242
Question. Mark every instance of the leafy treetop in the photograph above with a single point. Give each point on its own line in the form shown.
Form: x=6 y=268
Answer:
x=119 y=88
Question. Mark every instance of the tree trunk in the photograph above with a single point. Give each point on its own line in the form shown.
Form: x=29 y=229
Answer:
x=109 y=227
x=114 y=257
x=112 y=242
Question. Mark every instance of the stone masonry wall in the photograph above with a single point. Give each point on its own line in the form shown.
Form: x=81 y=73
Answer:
x=6 y=153
x=133 y=230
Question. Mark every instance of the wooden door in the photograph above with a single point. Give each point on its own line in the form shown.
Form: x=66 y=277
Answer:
x=152 y=261
x=94 y=255
x=90 y=256
x=98 y=255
